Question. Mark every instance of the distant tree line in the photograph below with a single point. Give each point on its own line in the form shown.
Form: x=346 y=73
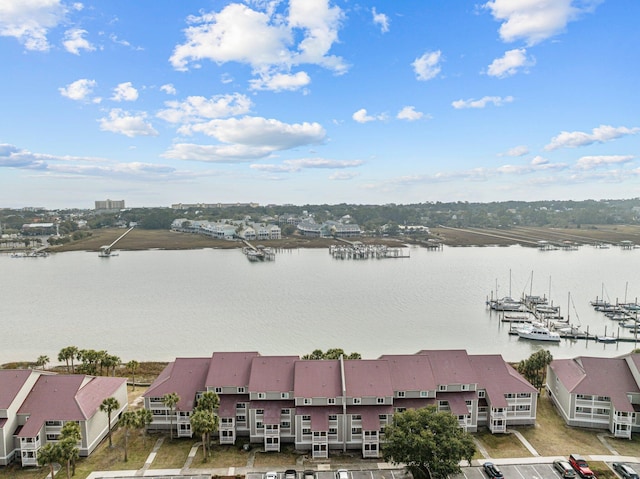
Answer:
x=371 y=218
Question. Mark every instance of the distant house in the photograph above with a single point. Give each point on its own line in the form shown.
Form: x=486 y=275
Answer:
x=34 y=405
x=599 y=393
x=339 y=404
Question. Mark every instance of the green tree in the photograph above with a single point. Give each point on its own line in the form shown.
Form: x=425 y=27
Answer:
x=69 y=452
x=132 y=367
x=333 y=353
x=49 y=454
x=204 y=422
x=145 y=416
x=109 y=405
x=129 y=420
x=67 y=355
x=71 y=429
x=430 y=442
x=534 y=368
x=209 y=402
x=171 y=400
x=42 y=361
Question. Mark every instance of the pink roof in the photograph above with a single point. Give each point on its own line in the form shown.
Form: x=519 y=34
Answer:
x=184 y=376
x=367 y=378
x=319 y=415
x=411 y=372
x=458 y=401
x=498 y=378
x=228 y=404
x=272 y=409
x=11 y=382
x=65 y=398
x=451 y=366
x=370 y=415
x=599 y=377
x=272 y=373
x=230 y=369
x=413 y=403
x=320 y=379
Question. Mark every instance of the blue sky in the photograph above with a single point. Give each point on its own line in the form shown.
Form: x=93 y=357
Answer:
x=314 y=101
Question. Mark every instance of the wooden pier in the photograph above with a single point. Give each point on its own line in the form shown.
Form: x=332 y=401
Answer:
x=362 y=251
x=258 y=253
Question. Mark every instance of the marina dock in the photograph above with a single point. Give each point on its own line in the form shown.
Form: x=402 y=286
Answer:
x=356 y=250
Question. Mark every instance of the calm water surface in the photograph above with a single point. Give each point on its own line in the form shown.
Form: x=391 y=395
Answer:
x=158 y=305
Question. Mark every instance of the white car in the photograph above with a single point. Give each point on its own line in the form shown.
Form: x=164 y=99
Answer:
x=342 y=474
x=271 y=475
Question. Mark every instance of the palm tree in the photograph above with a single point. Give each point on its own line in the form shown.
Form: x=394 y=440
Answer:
x=132 y=366
x=68 y=452
x=128 y=420
x=209 y=401
x=109 y=405
x=145 y=416
x=49 y=454
x=42 y=361
x=65 y=355
x=71 y=429
x=204 y=422
x=171 y=400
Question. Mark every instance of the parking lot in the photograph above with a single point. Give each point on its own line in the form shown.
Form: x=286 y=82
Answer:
x=370 y=474
x=530 y=471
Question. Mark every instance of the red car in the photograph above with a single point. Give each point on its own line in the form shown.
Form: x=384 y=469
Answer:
x=581 y=466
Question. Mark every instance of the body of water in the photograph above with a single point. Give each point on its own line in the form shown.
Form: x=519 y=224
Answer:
x=158 y=305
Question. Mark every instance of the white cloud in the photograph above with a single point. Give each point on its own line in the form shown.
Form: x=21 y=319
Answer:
x=290 y=166
x=591 y=162
x=125 y=92
x=169 y=89
x=257 y=131
x=74 y=41
x=79 y=90
x=266 y=40
x=409 y=113
x=380 y=19
x=427 y=66
x=120 y=121
x=199 y=108
x=510 y=63
x=216 y=153
x=519 y=150
x=536 y=20
x=280 y=81
x=361 y=116
x=482 y=102
x=30 y=21
x=601 y=134
x=343 y=175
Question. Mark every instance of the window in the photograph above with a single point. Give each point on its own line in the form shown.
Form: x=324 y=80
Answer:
x=259 y=411
x=481 y=394
x=319 y=433
x=307 y=401
x=356 y=431
x=333 y=430
x=240 y=405
x=331 y=400
x=465 y=387
x=382 y=417
x=380 y=400
x=400 y=409
x=241 y=390
x=53 y=423
x=217 y=390
x=603 y=398
x=442 y=387
x=306 y=430
x=524 y=395
x=284 y=395
x=523 y=407
x=401 y=394
x=356 y=417
x=262 y=395
x=285 y=424
x=357 y=401
x=424 y=394
x=333 y=417
x=285 y=412
x=306 y=417
x=241 y=418
x=468 y=403
x=259 y=425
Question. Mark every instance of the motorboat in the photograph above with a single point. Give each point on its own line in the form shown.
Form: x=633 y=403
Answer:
x=539 y=333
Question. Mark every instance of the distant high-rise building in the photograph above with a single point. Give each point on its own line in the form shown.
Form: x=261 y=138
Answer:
x=110 y=205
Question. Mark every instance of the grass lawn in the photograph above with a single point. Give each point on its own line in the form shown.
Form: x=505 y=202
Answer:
x=173 y=453
x=501 y=445
x=267 y=459
x=552 y=437
x=221 y=456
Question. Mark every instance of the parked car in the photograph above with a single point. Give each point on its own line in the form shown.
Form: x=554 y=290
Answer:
x=342 y=474
x=290 y=474
x=492 y=470
x=581 y=466
x=627 y=472
x=564 y=468
x=309 y=474
x=271 y=475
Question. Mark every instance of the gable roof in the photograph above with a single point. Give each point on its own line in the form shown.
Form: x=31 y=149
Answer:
x=11 y=382
x=497 y=378
x=451 y=366
x=317 y=378
x=230 y=369
x=411 y=372
x=272 y=373
x=599 y=377
x=184 y=376
x=65 y=398
x=367 y=378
